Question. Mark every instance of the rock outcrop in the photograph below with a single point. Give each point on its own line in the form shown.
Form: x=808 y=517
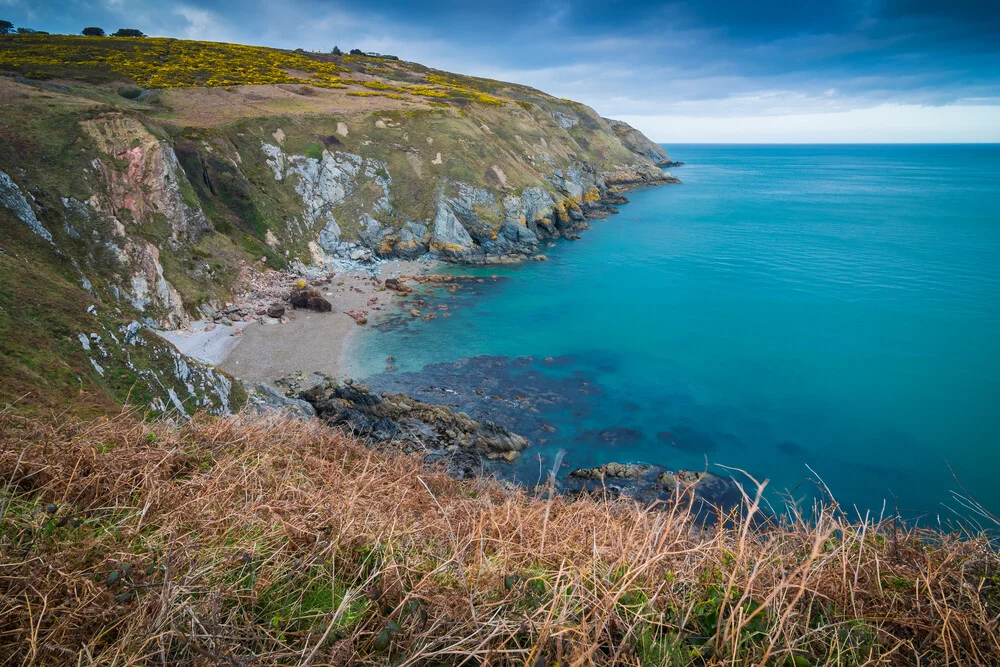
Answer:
x=652 y=482
x=460 y=442
x=13 y=199
x=150 y=183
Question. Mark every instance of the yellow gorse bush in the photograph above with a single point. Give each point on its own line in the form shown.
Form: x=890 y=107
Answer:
x=154 y=62
x=454 y=88
x=165 y=63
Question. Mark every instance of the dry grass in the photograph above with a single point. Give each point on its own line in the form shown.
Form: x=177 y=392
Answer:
x=266 y=541
x=214 y=107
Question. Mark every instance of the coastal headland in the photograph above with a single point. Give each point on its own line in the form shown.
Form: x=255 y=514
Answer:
x=192 y=235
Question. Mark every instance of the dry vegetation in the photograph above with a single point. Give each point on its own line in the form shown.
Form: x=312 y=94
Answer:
x=253 y=540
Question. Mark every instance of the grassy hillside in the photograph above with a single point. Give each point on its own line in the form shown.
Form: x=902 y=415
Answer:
x=251 y=541
x=225 y=111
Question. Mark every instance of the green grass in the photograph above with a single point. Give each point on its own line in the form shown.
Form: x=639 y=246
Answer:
x=314 y=151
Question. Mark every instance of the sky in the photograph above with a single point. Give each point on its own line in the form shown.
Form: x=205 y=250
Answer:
x=794 y=71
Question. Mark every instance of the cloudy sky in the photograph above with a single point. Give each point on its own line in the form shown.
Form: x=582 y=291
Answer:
x=687 y=71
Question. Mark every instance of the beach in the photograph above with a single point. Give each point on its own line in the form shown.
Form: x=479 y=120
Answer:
x=305 y=341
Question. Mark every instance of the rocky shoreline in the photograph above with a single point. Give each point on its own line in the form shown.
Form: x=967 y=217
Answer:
x=469 y=428
x=468 y=448
x=458 y=234
x=442 y=434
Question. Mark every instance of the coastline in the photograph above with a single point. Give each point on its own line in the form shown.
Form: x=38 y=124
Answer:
x=307 y=342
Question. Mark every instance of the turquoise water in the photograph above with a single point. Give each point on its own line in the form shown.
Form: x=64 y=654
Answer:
x=836 y=306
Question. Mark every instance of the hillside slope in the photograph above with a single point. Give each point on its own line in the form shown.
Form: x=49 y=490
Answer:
x=151 y=174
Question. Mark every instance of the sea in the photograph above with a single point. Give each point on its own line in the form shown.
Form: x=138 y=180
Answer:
x=825 y=318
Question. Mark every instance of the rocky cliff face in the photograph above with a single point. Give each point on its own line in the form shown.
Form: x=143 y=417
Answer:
x=152 y=207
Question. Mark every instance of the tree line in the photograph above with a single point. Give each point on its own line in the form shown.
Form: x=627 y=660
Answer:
x=7 y=28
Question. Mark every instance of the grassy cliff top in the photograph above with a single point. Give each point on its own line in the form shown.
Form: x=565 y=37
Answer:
x=165 y=64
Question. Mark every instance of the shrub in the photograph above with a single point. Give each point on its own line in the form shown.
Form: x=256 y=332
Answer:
x=130 y=93
x=155 y=62
x=93 y=32
x=128 y=32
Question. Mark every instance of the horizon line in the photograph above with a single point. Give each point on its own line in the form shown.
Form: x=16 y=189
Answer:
x=829 y=143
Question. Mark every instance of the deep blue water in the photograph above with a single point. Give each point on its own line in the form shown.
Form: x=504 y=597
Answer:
x=836 y=306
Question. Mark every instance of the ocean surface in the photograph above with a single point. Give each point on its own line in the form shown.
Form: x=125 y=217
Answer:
x=836 y=307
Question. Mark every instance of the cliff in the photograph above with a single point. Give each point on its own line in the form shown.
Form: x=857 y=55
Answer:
x=148 y=176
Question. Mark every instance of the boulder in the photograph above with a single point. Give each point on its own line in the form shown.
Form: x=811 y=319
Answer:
x=396 y=285
x=262 y=398
x=275 y=310
x=498 y=442
x=309 y=298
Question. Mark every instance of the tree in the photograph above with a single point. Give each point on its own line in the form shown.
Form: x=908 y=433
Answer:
x=336 y=51
x=6 y=27
x=128 y=32
x=30 y=31
x=357 y=52
x=93 y=32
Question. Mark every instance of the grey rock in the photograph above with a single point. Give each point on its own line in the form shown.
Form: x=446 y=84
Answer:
x=538 y=204
x=448 y=230
x=263 y=398
x=12 y=198
x=496 y=440
x=565 y=121
x=519 y=234
x=371 y=231
x=131 y=333
x=611 y=470
x=329 y=236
